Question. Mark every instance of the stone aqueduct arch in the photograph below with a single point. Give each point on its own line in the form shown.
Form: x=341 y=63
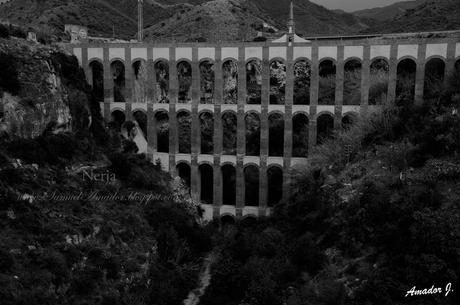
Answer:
x=233 y=120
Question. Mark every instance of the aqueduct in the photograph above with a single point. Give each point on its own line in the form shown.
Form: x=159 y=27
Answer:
x=234 y=119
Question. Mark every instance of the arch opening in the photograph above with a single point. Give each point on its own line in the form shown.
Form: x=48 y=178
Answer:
x=118 y=118
x=207 y=133
x=251 y=182
x=254 y=81
x=184 y=76
x=162 y=81
x=138 y=132
x=352 y=82
x=378 y=83
x=325 y=128
x=300 y=136
x=119 y=82
x=327 y=79
x=97 y=71
x=229 y=184
x=227 y=220
x=207 y=81
x=349 y=120
x=162 y=128
x=206 y=183
x=277 y=82
x=275 y=135
x=140 y=81
x=275 y=185
x=184 y=172
x=229 y=125
x=230 y=82
x=302 y=80
x=252 y=134
x=141 y=118
x=405 y=83
x=184 y=125
x=434 y=78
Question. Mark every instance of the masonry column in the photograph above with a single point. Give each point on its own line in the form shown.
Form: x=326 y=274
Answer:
x=196 y=131
x=314 y=87
x=288 y=122
x=420 y=76
x=365 y=77
x=173 y=91
x=264 y=131
x=128 y=84
x=450 y=63
x=86 y=67
x=339 y=86
x=108 y=84
x=393 y=73
x=217 y=137
x=241 y=136
x=151 y=122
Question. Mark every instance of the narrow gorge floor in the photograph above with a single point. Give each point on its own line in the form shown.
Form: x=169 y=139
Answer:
x=204 y=279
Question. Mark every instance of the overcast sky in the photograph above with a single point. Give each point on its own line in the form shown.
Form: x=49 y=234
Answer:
x=354 y=5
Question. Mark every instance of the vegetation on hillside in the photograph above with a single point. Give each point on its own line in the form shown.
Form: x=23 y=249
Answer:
x=82 y=219
x=374 y=215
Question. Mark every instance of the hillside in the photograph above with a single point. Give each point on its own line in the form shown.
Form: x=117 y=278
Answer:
x=439 y=15
x=229 y=20
x=101 y=17
x=175 y=19
x=311 y=19
x=388 y=12
x=67 y=235
x=360 y=227
x=211 y=21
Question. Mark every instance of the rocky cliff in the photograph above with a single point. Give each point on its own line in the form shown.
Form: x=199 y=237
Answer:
x=41 y=86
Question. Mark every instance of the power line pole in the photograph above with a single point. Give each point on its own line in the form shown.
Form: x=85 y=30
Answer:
x=140 y=20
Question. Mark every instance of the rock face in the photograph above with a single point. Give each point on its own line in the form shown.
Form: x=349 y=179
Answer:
x=45 y=94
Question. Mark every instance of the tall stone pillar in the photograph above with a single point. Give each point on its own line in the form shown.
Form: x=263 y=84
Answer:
x=108 y=84
x=365 y=76
x=264 y=123
x=173 y=93
x=450 y=63
x=86 y=67
x=152 y=140
x=393 y=73
x=128 y=84
x=288 y=122
x=218 y=134
x=339 y=87
x=314 y=91
x=264 y=131
x=420 y=74
x=196 y=130
x=312 y=134
x=241 y=135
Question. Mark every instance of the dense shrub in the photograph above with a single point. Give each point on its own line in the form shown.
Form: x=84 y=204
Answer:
x=4 y=31
x=8 y=74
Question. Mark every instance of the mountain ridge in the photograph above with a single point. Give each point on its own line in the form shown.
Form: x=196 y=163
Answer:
x=439 y=15
x=388 y=12
x=101 y=17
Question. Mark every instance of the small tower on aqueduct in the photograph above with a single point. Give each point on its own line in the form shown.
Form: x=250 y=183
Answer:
x=291 y=23
x=140 y=20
